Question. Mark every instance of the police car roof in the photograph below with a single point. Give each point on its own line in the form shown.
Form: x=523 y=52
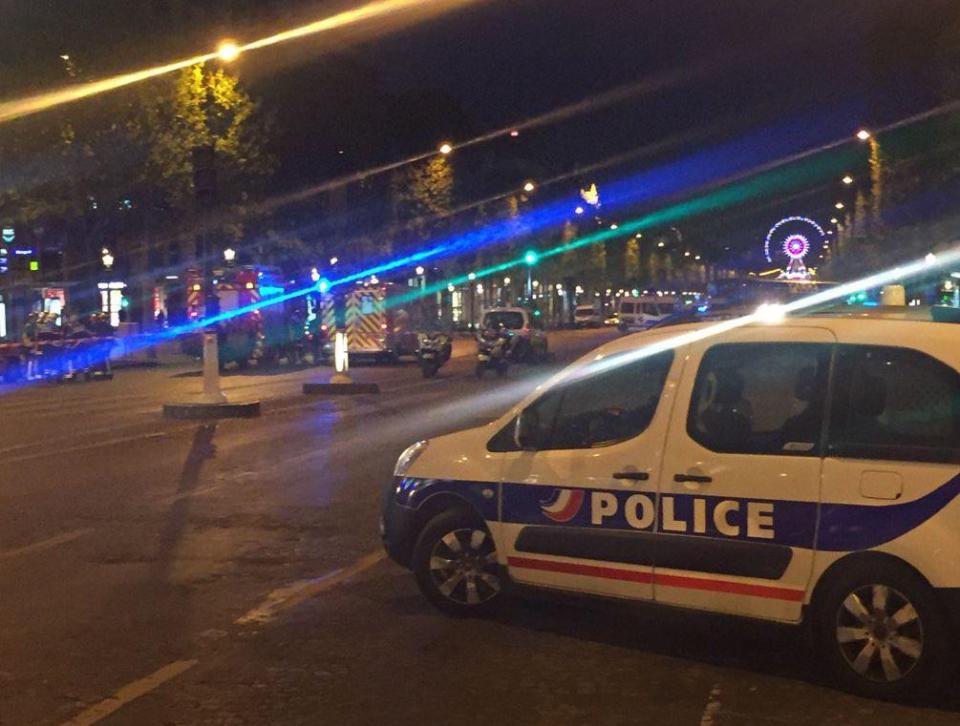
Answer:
x=864 y=326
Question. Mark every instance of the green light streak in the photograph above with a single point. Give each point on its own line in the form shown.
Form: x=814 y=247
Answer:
x=809 y=170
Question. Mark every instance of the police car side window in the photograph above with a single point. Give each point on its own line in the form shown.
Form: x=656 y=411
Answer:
x=760 y=398
x=598 y=409
x=894 y=403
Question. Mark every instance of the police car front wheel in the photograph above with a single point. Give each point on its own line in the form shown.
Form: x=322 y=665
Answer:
x=455 y=563
x=881 y=629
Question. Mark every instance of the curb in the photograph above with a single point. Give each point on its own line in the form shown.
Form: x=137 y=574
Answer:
x=207 y=411
x=340 y=389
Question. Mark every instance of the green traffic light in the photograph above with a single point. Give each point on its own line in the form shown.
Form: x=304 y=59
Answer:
x=531 y=257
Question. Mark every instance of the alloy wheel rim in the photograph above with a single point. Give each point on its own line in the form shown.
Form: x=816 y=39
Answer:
x=463 y=567
x=879 y=633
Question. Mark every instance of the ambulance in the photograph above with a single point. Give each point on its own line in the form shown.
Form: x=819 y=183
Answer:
x=804 y=471
x=379 y=321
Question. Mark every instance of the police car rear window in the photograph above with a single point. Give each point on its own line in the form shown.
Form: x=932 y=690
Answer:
x=894 y=403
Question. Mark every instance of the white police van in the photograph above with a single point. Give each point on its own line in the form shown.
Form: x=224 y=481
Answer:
x=803 y=472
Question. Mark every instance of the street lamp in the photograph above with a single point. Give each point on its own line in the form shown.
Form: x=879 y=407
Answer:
x=419 y=270
x=106 y=258
x=847 y=179
x=838 y=205
x=834 y=220
x=863 y=134
x=614 y=226
x=578 y=210
x=445 y=148
x=334 y=260
x=229 y=255
x=228 y=51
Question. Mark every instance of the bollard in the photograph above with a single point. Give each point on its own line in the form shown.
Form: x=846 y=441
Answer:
x=211 y=369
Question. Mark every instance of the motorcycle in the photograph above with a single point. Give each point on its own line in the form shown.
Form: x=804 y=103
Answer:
x=432 y=352
x=495 y=349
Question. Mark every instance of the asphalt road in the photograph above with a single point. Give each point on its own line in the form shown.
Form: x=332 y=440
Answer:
x=160 y=572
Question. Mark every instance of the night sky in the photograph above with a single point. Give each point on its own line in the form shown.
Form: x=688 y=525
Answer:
x=825 y=65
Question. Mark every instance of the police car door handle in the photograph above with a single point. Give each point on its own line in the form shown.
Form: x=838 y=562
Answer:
x=697 y=478
x=634 y=475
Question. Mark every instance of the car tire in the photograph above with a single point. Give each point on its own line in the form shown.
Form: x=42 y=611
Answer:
x=881 y=632
x=455 y=563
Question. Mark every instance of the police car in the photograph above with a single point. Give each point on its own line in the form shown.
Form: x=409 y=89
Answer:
x=800 y=472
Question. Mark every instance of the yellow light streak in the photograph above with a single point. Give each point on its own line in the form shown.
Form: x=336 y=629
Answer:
x=10 y=110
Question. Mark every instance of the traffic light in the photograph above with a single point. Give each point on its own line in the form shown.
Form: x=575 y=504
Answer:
x=531 y=257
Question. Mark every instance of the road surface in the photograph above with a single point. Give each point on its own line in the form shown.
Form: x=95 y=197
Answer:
x=163 y=572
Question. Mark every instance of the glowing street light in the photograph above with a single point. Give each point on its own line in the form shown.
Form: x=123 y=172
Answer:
x=515 y=133
x=229 y=255
x=529 y=186
x=834 y=220
x=419 y=270
x=106 y=258
x=847 y=179
x=661 y=243
x=838 y=205
x=314 y=274
x=228 y=51
x=445 y=148
x=578 y=210
x=531 y=258
x=334 y=260
x=614 y=226
x=863 y=134
x=506 y=281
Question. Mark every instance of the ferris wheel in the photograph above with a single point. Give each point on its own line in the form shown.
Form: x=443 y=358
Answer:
x=789 y=241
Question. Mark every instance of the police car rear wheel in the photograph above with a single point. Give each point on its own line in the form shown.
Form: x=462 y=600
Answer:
x=455 y=563
x=882 y=631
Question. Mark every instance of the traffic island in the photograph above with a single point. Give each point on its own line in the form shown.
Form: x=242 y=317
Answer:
x=208 y=411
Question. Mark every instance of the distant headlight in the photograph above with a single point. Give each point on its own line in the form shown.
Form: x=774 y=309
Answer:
x=410 y=455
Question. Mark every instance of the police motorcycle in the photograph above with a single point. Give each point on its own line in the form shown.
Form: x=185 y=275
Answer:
x=433 y=350
x=496 y=348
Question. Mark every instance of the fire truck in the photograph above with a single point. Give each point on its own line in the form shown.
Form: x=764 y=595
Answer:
x=266 y=333
x=379 y=323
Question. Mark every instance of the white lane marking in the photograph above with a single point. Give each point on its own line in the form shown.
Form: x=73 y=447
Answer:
x=44 y=544
x=174 y=498
x=292 y=595
x=712 y=710
x=90 y=445
x=130 y=692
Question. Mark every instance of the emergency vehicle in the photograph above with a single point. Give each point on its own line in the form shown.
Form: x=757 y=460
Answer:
x=378 y=319
x=258 y=334
x=805 y=472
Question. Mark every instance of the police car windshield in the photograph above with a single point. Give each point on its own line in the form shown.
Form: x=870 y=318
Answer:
x=511 y=320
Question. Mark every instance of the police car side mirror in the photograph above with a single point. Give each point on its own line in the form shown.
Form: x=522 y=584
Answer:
x=525 y=430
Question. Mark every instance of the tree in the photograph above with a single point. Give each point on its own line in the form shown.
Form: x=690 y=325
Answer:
x=631 y=261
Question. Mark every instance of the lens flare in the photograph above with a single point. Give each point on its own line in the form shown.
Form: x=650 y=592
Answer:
x=228 y=51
